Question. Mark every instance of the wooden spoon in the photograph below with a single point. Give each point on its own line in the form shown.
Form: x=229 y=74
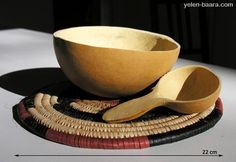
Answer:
x=190 y=89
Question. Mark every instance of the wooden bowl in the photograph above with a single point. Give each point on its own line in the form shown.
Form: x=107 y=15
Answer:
x=114 y=61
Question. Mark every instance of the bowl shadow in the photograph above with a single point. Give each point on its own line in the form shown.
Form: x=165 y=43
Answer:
x=52 y=81
x=28 y=81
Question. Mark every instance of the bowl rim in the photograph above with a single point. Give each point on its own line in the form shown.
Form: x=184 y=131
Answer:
x=55 y=35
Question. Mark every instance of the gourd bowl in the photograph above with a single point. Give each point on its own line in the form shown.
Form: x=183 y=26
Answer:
x=113 y=61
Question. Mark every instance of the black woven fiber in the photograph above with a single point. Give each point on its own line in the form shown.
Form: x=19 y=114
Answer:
x=188 y=131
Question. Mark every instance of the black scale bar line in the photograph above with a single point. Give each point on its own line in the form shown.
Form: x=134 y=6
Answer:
x=47 y=155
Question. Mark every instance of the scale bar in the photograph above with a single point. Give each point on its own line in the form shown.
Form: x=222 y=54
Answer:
x=93 y=155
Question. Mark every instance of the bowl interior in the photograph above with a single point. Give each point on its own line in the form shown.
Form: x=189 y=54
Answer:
x=118 y=38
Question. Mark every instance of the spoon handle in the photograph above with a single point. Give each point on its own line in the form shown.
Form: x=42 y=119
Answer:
x=132 y=109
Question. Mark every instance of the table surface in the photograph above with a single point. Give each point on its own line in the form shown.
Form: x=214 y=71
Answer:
x=30 y=53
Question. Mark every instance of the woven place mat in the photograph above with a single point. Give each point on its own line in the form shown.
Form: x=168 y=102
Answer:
x=65 y=114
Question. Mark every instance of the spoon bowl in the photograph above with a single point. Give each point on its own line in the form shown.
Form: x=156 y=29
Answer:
x=190 y=89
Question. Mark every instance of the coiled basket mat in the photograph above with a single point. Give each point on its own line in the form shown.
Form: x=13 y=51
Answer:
x=65 y=114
